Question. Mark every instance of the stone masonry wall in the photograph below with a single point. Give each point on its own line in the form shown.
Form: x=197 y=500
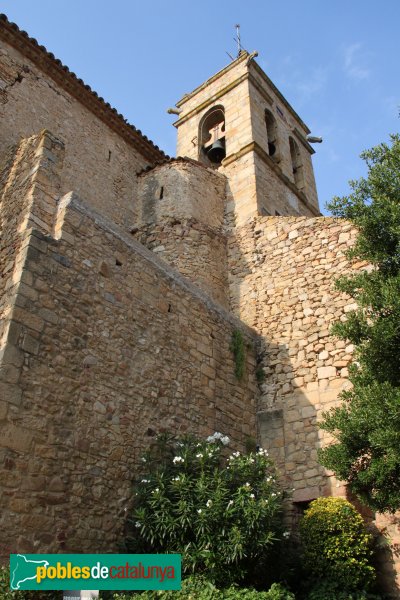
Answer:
x=282 y=273
x=108 y=346
x=181 y=218
x=31 y=171
x=287 y=125
x=99 y=164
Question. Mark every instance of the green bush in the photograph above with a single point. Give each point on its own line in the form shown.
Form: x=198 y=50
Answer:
x=336 y=546
x=325 y=590
x=198 y=588
x=222 y=514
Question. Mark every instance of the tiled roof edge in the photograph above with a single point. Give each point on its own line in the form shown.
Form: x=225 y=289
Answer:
x=66 y=79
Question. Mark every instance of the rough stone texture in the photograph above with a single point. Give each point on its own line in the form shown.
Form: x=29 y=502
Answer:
x=106 y=339
x=181 y=218
x=281 y=284
x=30 y=171
x=120 y=351
x=282 y=273
x=32 y=101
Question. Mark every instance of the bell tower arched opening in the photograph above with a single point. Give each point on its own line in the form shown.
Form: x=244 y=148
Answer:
x=297 y=165
x=272 y=135
x=212 y=137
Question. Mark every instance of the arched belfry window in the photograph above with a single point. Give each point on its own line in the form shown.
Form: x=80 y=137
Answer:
x=297 y=166
x=272 y=135
x=212 y=136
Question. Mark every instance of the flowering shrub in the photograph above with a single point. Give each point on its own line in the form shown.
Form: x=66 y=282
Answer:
x=336 y=545
x=221 y=513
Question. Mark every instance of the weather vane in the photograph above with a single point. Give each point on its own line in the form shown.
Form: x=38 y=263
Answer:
x=238 y=42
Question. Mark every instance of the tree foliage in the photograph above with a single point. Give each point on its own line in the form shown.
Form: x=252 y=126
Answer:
x=366 y=426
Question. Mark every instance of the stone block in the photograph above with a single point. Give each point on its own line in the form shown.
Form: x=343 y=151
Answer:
x=11 y=355
x=326 y=372
x=28 y=319
x=15 y=438
x=9 y=374
x=10 y=393
x=306 y=494
x=30 y=344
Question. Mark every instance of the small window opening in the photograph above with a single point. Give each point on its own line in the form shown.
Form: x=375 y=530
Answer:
x=297 y=166
x=272 y=135
x=162 y=192
x=118 y=262
x=109 y=155
x=169 y=308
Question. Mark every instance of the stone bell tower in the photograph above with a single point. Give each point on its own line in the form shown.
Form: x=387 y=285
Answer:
x=240 y=124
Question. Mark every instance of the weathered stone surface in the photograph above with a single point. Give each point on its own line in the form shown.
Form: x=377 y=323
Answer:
x=15 y=438
x=112 y=308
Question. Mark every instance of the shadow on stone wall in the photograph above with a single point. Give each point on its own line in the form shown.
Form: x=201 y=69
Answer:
x=288 y=428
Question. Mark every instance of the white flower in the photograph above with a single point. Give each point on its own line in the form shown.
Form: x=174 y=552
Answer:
x=252 y=496
x=176 y=478
x=143 y=459
x=247 y=485
x=178 y=459
x=209 y=503
x=218 y=436
x=230 y=503
x=138 y=524
x=199 y=456
x=156 y=490
x=199 y=511
x=145 y=481
x=234 y=455
x=263 y=452
x=286 y=534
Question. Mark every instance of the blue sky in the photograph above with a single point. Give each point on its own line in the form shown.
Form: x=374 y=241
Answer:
x=335 y=61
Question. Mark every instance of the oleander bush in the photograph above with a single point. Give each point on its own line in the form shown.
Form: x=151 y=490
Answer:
x=336 y=546
x=221 y=512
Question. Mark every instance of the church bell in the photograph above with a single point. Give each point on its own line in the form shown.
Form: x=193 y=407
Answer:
x=216 y=152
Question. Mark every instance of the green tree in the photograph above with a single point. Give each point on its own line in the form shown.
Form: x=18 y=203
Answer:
x=366 y=426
